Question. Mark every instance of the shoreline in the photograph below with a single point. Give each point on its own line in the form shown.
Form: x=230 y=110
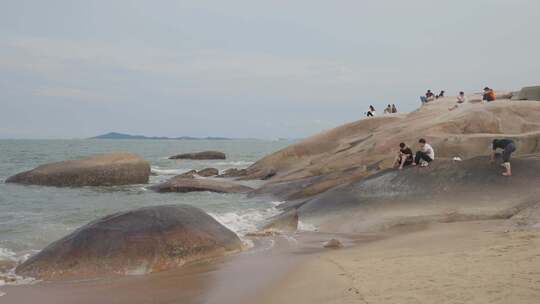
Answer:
x=459 y=262
x=231 y=279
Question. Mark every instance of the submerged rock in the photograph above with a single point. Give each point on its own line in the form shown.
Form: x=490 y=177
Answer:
x=140 y=241
x=97 y=170
x=208 y=172
x=183 y=184
x=200 y=155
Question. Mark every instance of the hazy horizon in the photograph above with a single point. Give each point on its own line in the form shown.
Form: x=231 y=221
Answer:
x=245 y=69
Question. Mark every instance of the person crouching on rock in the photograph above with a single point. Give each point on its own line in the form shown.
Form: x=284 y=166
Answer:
x=489 y=95
x=371 y=112
x=426 y=154
x=508 y=147
x=404 y=157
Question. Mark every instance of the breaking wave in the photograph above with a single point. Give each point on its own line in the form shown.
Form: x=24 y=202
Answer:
x=246 y=220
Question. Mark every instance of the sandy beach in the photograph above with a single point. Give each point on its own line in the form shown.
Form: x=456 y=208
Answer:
x=464 y=262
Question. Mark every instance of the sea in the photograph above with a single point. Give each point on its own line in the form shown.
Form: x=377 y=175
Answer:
x=31 y=217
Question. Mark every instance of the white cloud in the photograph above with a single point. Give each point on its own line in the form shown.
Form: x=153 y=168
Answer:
x=195 y=71
x=68 y=93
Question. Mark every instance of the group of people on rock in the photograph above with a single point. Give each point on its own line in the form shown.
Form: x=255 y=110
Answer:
x=430 y=96
x=488 y=96
x=390 y=109
x=425 y=155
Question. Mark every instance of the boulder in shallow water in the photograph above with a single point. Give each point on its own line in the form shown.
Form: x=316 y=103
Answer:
x=182 y=184
x=200 y=155
x=208 y=172
x=140 y=241
x=97 y=170
x=188 y=174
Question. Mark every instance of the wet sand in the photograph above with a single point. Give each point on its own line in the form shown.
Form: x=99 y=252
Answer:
x=233 y=279
x=463 y=262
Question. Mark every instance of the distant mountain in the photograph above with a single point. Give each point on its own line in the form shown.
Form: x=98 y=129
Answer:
x=115 y=135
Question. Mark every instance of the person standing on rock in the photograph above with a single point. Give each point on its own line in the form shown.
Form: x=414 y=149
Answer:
x=508 y=147
x=425 y=155
x=404 y=157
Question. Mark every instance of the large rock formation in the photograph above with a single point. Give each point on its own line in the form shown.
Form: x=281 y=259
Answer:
x=97 y=170
x=144 y=240
x=359 y=149
x=529 y=93
x=200 y=155
x=183 y=184
x=446 y=191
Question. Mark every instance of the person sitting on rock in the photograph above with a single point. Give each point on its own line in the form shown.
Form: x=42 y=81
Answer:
x=461 y=98
x=394 y=109
x=428 y=97
x=404 y=156
x=425 y=155
x=508 y=147
x=441 y=94
x=489 y=94
x=371 y=112
x=388 y=109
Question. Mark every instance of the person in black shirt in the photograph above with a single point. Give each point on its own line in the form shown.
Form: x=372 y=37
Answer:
x=404 y=157
x=371 y=111
x=508 y=147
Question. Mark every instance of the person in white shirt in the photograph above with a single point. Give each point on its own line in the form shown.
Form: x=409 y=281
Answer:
x=425 y=155
x=461 y=98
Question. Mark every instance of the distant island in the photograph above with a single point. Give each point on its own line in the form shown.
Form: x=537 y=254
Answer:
x=115 y=135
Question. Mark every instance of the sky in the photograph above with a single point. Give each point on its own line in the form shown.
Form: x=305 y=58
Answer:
x=258 y=69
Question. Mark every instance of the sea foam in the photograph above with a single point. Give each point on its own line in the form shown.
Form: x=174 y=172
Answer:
x=246 y=220
x=160 y=171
